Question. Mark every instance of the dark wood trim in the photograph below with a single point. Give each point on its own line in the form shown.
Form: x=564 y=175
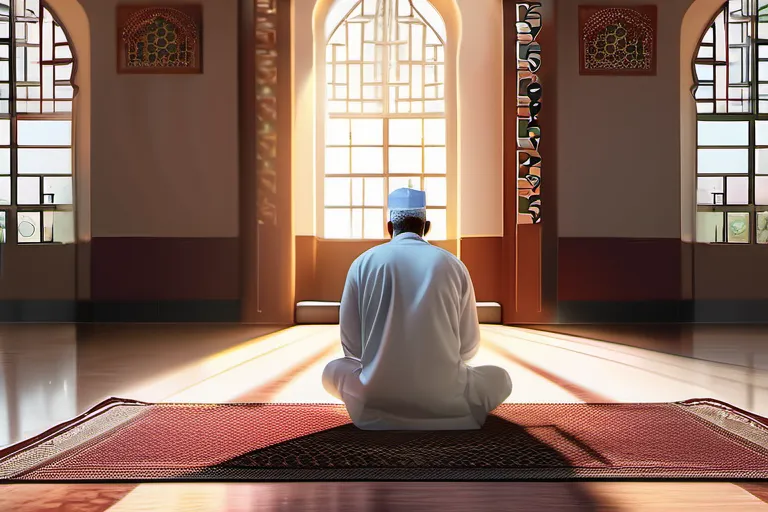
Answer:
x=148 y=311
x=548 y=151
x=283 y=252
x=147 y=268
x=247 y=153
x=529 y=252
x=509 y=237
x=267 y=212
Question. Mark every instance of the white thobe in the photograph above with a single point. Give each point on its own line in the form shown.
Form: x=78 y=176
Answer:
x=408 y=324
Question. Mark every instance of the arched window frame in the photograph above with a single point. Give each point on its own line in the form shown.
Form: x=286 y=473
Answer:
x=441 y=201
x=40 y=92
x=730 y=70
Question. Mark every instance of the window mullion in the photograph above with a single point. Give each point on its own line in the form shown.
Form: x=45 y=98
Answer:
x=12 y=231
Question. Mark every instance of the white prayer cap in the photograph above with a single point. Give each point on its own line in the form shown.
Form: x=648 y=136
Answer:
x=407 y=202
x=407 y=199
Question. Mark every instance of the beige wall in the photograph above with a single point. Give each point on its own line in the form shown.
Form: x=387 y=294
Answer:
x=474 y=120
x=157 y=155
x=619 y=138
x=164 y=147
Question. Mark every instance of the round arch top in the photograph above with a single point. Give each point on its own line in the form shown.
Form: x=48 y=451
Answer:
x=341 y=9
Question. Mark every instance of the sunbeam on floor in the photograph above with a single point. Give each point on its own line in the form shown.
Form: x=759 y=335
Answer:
x=286 y=367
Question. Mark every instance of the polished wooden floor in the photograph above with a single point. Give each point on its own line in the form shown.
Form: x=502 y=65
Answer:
x=50 y=373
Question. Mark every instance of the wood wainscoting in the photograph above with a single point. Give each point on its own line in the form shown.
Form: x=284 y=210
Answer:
x=322 y=265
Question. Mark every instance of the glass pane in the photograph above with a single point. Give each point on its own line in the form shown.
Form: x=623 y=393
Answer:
x=762 y=227
x=48 y=227
x=337 y=192
x=44 y=133
x=355 y=82
x=357 y=192
x=438 y=229
x=404 y=182
x=367 y=132
x=434 y=132
x=29 y=227
x=710 y=190
x=62 y=226
x=761 y=133
x=5 y=190
x=761 y=161
x=405 y=132
x=357 y=223
x=725 y=133
x=405 y=160
x=373 y=223
x=336 y=160
x=337 y=223
x=28 y=190
x=434 y=106
x=434 y=161
x=5 y=132
x=738 y=190
x=738 y=227
x=45 y=161
x=3 y=231
x=709 y=227
x=723 y=161
x=374 y=191
x=368 y=160
x=337 y=132
x=437 y=194
x=57 y=190
x=5 y=161
x=761 y=190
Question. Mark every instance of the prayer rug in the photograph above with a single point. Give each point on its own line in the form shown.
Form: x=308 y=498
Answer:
x=127 y=441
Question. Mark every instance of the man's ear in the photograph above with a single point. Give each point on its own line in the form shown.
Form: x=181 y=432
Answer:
x=427 y=225
x=390 y=228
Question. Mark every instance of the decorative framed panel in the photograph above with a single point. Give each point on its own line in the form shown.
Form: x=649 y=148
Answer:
x=618 y=40
x=159 y=39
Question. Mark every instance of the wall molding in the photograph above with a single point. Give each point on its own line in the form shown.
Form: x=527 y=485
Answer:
x=164 y=311
x=664 y=311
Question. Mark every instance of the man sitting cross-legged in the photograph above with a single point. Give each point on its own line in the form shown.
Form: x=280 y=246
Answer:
x=408 y=325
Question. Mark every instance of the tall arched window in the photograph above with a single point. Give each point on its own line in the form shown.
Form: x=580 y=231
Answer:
x=36 y=92
x=731 y=91
x=385 y=125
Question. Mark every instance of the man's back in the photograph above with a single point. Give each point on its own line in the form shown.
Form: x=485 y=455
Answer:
x=414 y=309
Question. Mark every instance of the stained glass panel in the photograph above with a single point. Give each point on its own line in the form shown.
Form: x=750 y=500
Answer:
x=762 y=227
x=386 y=110
x=528 y=108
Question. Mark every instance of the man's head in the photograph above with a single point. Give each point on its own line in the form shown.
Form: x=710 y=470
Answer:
x=408 y=212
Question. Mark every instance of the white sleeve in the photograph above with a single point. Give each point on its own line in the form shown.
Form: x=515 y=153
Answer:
x=469 y=326
x=349 y=316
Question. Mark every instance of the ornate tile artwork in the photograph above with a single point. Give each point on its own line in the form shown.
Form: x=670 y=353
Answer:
x=617 y=40
x=159 y=39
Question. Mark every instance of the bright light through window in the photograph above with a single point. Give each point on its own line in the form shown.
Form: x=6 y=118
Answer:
x=36 y=94
x=731 y=94
x=385 y=70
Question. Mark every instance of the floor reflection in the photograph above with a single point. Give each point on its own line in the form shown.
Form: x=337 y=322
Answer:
x=38 y=379
x=51 y=373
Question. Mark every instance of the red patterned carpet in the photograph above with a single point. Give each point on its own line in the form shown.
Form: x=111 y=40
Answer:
x=123 y=440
